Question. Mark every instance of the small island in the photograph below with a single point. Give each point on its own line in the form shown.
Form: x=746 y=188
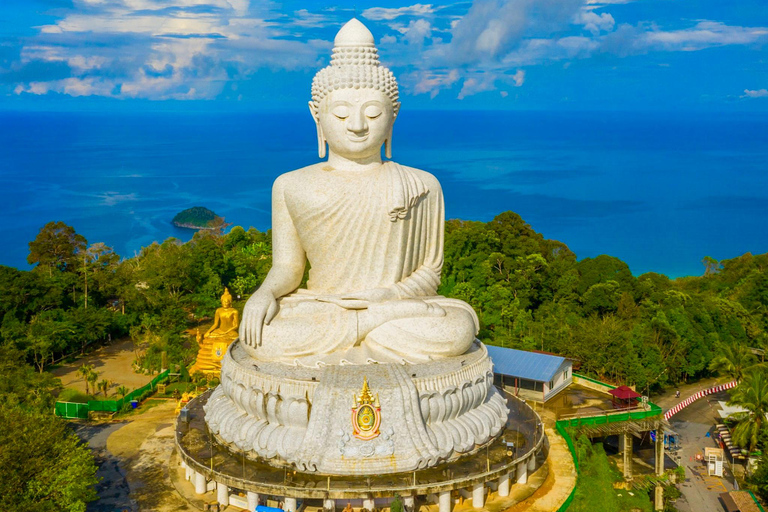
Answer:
x=198 y=217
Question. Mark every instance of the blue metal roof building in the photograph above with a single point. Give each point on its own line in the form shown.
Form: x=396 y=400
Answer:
x=530 y=374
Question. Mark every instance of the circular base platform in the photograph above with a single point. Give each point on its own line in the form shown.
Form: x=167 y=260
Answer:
x=207 y=459
x=356 y=419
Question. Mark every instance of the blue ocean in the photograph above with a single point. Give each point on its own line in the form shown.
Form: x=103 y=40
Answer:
x=658 y=190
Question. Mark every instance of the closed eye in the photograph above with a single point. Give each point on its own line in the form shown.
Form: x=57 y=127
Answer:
x=341 y=111
x=372 y=111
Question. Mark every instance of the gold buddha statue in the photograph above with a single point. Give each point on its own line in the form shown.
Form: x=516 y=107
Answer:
x=216 y=340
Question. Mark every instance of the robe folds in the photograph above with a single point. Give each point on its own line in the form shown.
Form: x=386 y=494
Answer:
x=381 y=228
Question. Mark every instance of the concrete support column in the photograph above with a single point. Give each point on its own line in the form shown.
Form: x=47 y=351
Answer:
x=329 y=504
x=522 y=473
x=478 y=495
x=200 y=483
x=659 y=459
x=188 y=473
x=627 y=455
x=289 y=504
x=444 y=502
x=532 y=464
x=222 y=493
x=409 y=502
x=369 y=503
x=504 y=485
x=253 y=500
x=658 y=498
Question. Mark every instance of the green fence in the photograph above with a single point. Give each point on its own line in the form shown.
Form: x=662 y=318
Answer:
x=64 y=409
x=71 y=410
x=560 y=427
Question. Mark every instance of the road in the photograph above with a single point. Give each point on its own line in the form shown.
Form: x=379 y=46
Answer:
x=700 y=492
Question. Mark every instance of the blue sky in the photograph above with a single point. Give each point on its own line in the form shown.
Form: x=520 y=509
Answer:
x=484 y=54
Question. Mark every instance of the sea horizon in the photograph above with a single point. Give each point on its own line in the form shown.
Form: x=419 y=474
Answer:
x=659 y=190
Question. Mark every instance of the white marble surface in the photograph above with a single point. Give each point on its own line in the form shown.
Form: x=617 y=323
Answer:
x=372 y=232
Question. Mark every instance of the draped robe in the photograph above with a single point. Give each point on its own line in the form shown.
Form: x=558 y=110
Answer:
x=380 y=228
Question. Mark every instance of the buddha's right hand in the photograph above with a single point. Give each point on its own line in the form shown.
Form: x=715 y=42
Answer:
x=260 y=309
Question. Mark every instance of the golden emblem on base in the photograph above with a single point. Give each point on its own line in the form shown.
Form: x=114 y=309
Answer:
x=366 y=415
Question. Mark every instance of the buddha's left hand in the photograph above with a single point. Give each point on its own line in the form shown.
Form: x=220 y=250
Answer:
x=373 y=295
x=361 y=299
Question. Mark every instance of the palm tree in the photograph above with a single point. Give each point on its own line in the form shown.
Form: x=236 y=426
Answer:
x=104 y=386
x=122 y=391
x=752 y=395
x=84 y=371
x=91 y=378
x=734 y=361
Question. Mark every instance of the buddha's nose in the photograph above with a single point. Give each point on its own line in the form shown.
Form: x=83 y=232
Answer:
x=357 y=123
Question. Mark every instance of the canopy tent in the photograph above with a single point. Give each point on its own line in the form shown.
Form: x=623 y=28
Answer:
x=625 y=396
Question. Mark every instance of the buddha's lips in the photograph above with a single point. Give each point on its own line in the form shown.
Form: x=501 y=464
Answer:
x=357 y=139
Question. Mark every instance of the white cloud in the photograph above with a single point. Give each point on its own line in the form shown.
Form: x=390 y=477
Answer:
x=593 y=22
x=417 y=31
x=704 y=34
x=160 y=49
x=759 y=93
x=477 y=84
x=432 y=82
x=385 y=13
x=519 y=78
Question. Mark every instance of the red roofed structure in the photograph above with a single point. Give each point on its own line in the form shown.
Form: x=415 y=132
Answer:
x=625 y=395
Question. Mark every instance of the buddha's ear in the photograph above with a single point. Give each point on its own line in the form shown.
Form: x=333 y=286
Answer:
x=313 y=109
x=388 y=142
x=320 y=137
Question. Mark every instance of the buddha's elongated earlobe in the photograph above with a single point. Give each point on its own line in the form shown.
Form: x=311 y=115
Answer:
x=388 y=145
x=321 y=143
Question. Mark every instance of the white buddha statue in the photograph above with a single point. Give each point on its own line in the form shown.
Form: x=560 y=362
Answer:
x=371 y=230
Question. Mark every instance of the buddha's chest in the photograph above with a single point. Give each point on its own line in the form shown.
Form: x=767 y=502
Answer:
x=331 y=195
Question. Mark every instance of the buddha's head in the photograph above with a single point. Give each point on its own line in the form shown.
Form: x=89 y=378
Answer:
x=226 y=298
x=355 y=99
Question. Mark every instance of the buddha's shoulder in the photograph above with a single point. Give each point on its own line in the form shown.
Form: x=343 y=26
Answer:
x=297 y=176
x=429 y=179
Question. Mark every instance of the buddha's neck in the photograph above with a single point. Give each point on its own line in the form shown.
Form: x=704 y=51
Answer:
x=341 y=163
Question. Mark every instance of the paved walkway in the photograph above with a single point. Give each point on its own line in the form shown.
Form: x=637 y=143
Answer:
x=550 y=496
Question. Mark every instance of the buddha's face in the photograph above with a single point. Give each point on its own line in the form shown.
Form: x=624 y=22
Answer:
x=226 y=302
x=356 y=122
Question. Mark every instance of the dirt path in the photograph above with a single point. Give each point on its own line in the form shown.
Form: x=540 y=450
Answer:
x=112 y=362
x=143 y=448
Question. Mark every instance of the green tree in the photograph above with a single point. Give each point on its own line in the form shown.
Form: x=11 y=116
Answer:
x=85 y=371
x=56 y=246
x=711 y=265
x=733 y=360
x=91 y=378
x=122 y=391
x=43 y=465
x=103 y=386
x=752 y=395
